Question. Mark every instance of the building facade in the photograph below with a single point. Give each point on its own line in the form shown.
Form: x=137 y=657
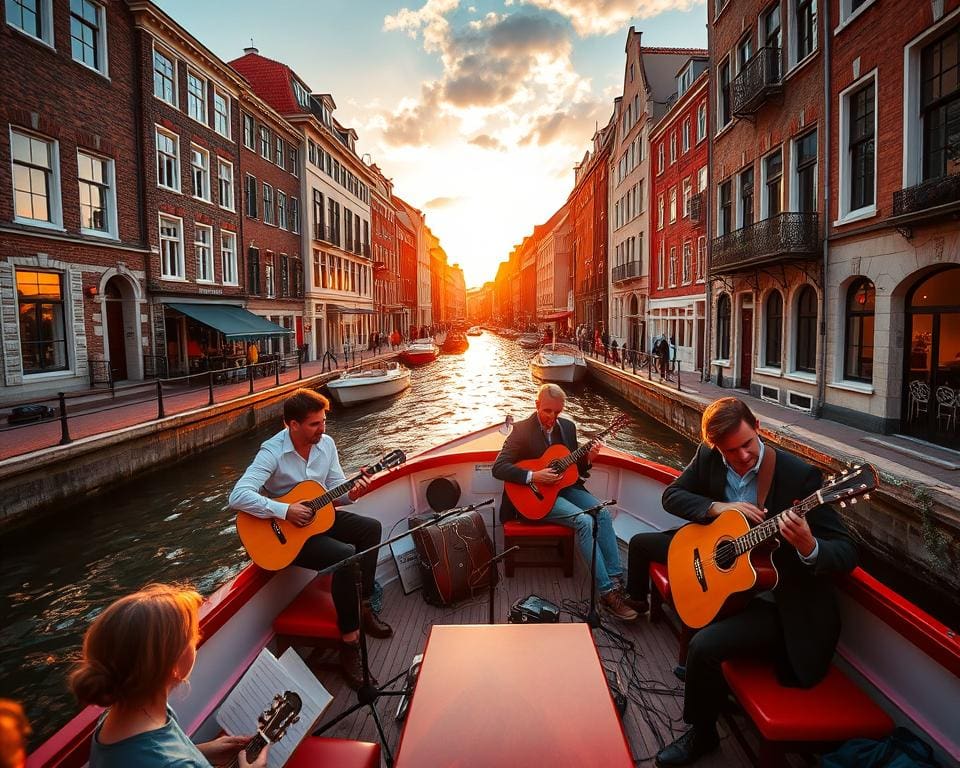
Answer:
x=385 y=255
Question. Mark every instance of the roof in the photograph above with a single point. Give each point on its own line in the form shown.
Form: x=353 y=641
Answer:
x=271 y=80
x=674 y=51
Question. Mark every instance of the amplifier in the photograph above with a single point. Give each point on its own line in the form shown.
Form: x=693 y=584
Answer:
x=534 y=610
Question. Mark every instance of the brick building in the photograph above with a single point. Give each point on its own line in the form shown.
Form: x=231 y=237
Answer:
x=73 y=260
x=385 y=254
x=407 y=281
x=554 y=287
x=678 y=234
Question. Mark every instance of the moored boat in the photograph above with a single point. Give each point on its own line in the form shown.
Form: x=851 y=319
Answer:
x=529 y=340
x=560 y=363
x=369 y=384
x=475 y=330
x=455 y=343
x=420 y=352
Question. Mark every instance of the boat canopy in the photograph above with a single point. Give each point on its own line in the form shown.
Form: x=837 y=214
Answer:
x=235 y=323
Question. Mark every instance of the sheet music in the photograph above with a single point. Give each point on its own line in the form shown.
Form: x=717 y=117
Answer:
x=254 y=693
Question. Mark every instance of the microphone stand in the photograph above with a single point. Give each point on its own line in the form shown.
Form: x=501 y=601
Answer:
x=368 y=693
x=592 y=618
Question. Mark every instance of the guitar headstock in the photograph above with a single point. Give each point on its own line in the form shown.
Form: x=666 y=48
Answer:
x=616 y=425
x=849 y=485
x=283 y=712
x=393 y=459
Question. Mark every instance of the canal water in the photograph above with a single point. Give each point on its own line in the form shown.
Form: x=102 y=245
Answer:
x=173 y=524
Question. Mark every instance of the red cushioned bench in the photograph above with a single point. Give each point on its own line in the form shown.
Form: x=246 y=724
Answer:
x=660 y=594
x=527 y=534
x=320 y=752
x=311 y=619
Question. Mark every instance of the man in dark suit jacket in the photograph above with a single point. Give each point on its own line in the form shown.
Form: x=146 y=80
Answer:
x=529 y=439
x=796 y=624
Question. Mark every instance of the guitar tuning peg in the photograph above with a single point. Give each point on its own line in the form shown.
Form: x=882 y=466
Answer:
x=853 y=501
x=295 y=720
x=843 y=472
x=866 y=497
x=276 y=699
x=843 y=504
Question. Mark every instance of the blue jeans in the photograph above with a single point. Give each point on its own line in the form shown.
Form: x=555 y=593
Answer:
x=568 y=511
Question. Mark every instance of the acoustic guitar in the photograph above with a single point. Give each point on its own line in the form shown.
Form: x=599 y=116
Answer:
x=274 y=543
x=709 y=563
x=534 y=501
x=272 y=725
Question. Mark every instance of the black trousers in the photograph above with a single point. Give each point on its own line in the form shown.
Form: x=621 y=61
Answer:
x=645 y=548
x=349 y=533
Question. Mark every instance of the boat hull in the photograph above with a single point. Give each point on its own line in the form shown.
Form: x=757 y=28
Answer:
x=351 y=393
x=418 y=358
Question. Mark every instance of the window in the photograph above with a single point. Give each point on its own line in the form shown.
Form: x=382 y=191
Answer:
x=164 y=78
x=673 y=266
x=773 y=328
x=228 y=257
x=279 y=152
x=221 y=113
x=861 y=148
x=746 y=197
x=225 y=184
x=702 y=179
x=673 y=204
x=197 y=97
x=348 y=226
x=43 y=325
x=687 y=266
x=284 y=275
x=685 y=80
x=267 y=204
x=661 y=267
x=725 y=209
x=744 y=52
x=805 y=152
x=87 y=34
x=687 y=193
x=301 y=94
x=168 y=160
x=723 y=327
x=268 y=281
x=281 y=209
x=32 y=17
x=701 y=122
x=251 y=196
x=940 y=106
x=673 y=148
x=200 y=172
x=773 y=185
x=295 y=162
x=203 y=245
x=97 y=201
x=723 y=98
x=248 y=129
x=36 y=181
x=686 y=135
x=806 y=28
x=806 y=330
x=171 y=248
x=253 y=271
x=858 y=359
x=701 y=259
x=660 y=157
x=264 y=143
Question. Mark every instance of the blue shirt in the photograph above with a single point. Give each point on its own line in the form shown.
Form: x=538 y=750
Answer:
x=165 y=747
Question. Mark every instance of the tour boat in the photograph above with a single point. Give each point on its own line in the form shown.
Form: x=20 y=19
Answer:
x=560 y=363
x=420 y=352
x=370 y=384
x=475 y=330
x=529 y=340
x=898 y=655
x=455 y=343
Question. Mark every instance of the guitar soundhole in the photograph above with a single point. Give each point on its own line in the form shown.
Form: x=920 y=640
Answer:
x=725 y=555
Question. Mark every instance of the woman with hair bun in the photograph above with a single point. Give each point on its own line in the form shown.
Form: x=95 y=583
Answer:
x=134 y=654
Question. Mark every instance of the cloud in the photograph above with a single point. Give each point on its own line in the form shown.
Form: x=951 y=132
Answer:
x=419 y=122
x=575 y=124
x=605 y=17
x=485 y=141
x=442 y=202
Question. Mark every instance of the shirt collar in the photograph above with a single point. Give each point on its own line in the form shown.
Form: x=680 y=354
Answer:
x=755 y=468
x=288 y=446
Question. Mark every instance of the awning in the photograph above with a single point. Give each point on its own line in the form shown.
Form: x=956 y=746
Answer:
x=233 y=322
x=555 y=316
x=336 y=308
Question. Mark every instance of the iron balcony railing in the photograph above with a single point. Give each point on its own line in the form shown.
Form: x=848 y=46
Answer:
x=930 y=194
x=696 y=208
x=627 y=271
x=757 y=82
x=326 y=233
x=785 y=237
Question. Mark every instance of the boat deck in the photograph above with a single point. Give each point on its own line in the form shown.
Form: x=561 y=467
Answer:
x=653 y=713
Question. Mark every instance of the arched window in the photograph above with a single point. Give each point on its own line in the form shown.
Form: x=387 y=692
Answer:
x=858 y=358
x=807 y=330
x=773 y=325
x=723 y=327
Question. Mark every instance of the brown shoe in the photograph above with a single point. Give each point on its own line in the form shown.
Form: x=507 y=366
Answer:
x=351 y=667
x=373 y=625
x=640 y=605
x=612 y=602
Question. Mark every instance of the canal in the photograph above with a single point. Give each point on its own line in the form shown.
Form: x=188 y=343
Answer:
x=173 y=524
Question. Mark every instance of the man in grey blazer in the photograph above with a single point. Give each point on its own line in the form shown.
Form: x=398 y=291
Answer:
x=529 y=439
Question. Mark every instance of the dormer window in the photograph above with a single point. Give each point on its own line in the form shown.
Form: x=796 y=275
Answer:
x=685 y=80
x=301 y=94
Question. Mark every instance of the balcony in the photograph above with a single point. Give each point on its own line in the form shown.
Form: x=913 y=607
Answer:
x=931 y=200
x=696 y=208
x=757 y=82
x=628 y=271
x=779 y=239
x=325 y=233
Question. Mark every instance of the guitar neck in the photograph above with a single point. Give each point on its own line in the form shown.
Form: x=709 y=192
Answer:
x=334 y=493
x=770 y=528
x=582 y=451
x=251 y=751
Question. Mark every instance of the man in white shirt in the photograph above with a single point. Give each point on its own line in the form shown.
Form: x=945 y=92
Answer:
x=302 y=451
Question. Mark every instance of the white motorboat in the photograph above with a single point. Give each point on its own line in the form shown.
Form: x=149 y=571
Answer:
x=530 y=340
x=370 y=384
x=475 y=330
x=561 y=363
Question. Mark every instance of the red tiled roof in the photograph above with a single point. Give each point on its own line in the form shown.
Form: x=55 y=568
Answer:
x=676 y=51
x=271 y=80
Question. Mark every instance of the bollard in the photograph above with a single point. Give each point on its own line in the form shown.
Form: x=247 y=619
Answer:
x=276 y=371
x=210 y=386
x=160 y=413
x=64 y=429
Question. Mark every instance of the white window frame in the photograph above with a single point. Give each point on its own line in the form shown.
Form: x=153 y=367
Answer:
x=269 y=212
x=180 y=275
x=762 y=187
x=175 y=90
x=702 y=179
x=203 y=250
x=225 y=183
x=673 y=204
x=294 y=214
x=794 y=192
x=45 y=8
x=660 y=154
x=686 y=262
x=660 y=210
x=726 y=60
x=269 y=289
x=228 y=257
x=847 y=16
x=687 y=193
x=279 y=146
x=701 y=269
x=847 y=214
x=281 y=209
x=701 y=121
x=673 y=147
x=264 y=143
x=219 y=92
x=793 y=62
x=200 y=173
x=110 y=204
x=738 y=198
x=192 y=99
x=252 y=146
x=672 y=267
x=54 y=190
x=685 y=142
x=176 y=156
x=101 y=41
x=661 y=267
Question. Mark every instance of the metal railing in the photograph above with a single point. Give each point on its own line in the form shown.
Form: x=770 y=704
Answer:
x=787 y=234
x=627 y=271
x=100 y=372
x=929 y=194
x=757 y=81
x=635 y=361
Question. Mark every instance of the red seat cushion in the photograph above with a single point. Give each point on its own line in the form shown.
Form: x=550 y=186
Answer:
x=835 y=709
x=320 y=752
x=660 y=581
x=520 y=529
x=311 y=614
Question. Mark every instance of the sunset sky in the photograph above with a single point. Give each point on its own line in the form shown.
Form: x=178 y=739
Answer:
x=477 y=110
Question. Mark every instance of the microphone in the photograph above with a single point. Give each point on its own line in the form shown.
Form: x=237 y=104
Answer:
x=468 y=508
x=495 y=558
x=601 y=505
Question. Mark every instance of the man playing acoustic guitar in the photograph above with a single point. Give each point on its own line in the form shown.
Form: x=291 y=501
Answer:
x=529 y=439
x=797 y=623
x=302 y=451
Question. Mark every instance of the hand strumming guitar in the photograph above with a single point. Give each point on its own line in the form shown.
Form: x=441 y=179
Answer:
x=750 y=511
x=545 y=476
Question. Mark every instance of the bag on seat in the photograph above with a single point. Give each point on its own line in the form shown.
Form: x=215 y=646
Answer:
x=901 y=749
x=454 y=557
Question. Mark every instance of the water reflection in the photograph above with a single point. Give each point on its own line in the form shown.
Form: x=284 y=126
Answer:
x=173 y=525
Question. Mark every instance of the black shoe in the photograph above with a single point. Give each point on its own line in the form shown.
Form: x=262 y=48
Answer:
x=689 y=748
x=372 y=623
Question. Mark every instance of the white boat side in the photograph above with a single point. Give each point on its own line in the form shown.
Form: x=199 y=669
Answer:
x=362 y=386
x=564 y=365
